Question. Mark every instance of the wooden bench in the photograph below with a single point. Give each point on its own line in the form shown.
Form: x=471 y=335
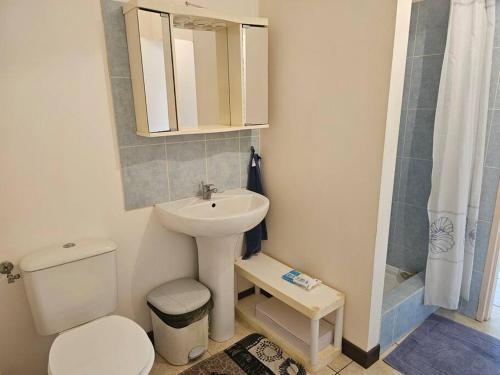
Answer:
x=265 y=272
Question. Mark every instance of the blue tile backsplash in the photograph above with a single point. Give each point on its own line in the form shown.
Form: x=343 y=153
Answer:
x=156 y=170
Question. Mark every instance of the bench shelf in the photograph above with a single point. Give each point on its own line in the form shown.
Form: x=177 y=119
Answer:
x=265 y=272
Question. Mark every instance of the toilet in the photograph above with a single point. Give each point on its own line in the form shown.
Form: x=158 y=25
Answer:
x=71 y=290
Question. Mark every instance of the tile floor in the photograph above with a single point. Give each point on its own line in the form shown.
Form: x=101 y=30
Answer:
x=342 y=365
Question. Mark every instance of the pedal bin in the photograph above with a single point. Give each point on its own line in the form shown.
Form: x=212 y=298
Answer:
x=179 y=312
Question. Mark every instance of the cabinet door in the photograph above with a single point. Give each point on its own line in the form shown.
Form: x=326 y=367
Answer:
x=150 y=53
x=255 y=75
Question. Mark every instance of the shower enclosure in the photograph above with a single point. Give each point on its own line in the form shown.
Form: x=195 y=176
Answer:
x=403 y=307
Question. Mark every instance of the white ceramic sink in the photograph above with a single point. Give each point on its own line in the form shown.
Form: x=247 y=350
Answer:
x=218 y=225
x=231 y=212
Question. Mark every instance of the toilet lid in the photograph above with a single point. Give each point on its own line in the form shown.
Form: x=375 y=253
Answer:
x=111 y=345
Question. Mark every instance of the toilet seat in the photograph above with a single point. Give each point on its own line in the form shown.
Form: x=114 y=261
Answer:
x=112 y=345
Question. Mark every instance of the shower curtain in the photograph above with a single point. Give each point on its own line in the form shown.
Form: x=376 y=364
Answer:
x=458 y=151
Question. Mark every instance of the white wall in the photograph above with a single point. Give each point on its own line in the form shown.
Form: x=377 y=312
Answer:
x=329 y=78
x=59 y=165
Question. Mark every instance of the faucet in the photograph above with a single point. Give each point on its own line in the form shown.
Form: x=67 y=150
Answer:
x=207 y=190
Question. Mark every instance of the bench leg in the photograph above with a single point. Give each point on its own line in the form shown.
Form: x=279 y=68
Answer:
x=339 y=322
x=235 y=289
x=314 y=341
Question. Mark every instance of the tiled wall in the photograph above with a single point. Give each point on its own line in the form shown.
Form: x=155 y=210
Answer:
x=409 y=223
x=160 y=169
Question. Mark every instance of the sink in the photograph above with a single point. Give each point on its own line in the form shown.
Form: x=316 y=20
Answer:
x=218 y=225
x=231 y=212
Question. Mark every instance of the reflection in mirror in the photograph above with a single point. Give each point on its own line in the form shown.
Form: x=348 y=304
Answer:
x=157 y=65
x=201 y=72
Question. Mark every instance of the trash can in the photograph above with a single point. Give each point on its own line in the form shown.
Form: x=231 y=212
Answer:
x=179 y=311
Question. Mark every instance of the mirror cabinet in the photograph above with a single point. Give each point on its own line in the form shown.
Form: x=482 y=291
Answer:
x=194 y=70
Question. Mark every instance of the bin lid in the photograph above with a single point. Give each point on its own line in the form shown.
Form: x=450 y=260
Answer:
x=179 y=296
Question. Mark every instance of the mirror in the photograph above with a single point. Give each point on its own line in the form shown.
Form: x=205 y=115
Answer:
x=150 y=57
x=201 y=74
x=154 y=32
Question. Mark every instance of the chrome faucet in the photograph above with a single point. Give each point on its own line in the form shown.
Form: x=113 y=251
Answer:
x=207 y=190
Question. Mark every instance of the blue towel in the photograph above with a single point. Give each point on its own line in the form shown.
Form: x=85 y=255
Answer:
x=255 y=235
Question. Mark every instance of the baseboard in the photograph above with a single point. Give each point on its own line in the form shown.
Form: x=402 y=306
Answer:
x=358 y=355
x=250 y=291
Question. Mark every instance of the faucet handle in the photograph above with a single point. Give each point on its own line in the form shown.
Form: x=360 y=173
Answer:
x=207 y=190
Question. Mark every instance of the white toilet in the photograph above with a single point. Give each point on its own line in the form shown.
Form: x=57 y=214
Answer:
x=71 y=289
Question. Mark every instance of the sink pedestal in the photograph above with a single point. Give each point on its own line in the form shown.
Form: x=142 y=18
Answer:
x=216 y=271
x=218 y=225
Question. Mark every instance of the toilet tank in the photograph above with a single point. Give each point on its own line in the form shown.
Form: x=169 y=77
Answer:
x=71 y=284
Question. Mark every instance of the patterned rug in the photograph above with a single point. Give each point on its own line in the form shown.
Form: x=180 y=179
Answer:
x=253 y=355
